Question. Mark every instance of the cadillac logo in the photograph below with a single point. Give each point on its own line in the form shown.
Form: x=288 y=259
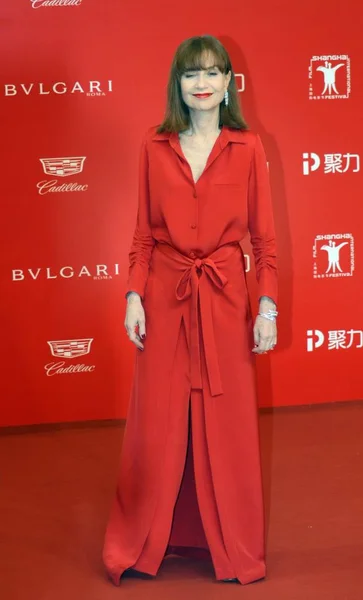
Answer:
x=63 y=167
x=70 y=348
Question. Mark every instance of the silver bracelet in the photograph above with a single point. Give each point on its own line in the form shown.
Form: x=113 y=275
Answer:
x=270 y=314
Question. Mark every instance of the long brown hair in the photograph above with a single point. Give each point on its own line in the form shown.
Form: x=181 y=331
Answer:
x=191 y=54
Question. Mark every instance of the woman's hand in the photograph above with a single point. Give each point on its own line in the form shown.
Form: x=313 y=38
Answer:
x=265 y=335
x=265 y=331
x=135 y=316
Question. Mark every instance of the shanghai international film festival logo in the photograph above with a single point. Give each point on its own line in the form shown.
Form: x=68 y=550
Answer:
x=330 y=163
x=44 y=3
x=336 y=339
x=329 y=77
x=59 y=88
x=61 y=167
x=333 y=255
x=69 y=349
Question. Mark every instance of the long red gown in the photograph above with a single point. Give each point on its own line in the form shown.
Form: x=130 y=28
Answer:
x=190 y=472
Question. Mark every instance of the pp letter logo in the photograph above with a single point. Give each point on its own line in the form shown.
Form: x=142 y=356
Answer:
x=311 y=162
x=311 y=343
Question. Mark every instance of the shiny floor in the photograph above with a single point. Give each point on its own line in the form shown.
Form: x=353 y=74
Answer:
x=56 y=486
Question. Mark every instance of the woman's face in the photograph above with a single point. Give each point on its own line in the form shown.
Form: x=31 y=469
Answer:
x=204 y=89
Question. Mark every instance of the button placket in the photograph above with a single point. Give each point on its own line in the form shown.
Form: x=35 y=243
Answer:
x=194 y=224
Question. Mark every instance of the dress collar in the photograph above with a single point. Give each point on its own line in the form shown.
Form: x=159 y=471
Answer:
x=228 y=134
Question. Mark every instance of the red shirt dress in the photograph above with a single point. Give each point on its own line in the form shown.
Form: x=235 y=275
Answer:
x=190 y=476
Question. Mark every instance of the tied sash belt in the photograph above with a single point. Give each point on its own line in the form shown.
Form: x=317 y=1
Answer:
x=200 y=279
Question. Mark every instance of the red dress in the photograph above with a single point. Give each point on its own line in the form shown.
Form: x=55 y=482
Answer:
x=190 y=474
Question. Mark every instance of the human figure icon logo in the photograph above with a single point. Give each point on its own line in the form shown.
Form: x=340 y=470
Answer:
x=333 y=255
x=336 y=84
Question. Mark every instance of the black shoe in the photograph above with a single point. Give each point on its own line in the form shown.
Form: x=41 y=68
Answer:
x=130 y=572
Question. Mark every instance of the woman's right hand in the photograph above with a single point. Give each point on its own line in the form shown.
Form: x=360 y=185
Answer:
x=135 y=315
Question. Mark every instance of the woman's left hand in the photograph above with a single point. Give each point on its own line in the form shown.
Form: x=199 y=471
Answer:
x=265 y=335
x=265 y=331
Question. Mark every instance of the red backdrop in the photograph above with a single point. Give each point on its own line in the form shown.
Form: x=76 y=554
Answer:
x=81 y=82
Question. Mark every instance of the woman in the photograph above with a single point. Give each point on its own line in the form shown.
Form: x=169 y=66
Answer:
x=190 y=477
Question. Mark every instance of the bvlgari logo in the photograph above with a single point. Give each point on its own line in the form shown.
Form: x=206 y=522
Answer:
x=40 y=3
x=89 y=88
x=69 y=349
x=97 y=272
x=61 y=167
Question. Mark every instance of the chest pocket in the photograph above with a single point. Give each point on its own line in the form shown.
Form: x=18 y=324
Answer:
x=229 y=200
x=226 y=188
x=225 y=183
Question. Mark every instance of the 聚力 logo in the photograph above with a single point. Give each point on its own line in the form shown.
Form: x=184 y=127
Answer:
x=332 y=163
x=240 y=82
x=336 y=339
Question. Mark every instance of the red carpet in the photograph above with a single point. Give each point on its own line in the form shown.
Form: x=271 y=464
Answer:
x=57 y=485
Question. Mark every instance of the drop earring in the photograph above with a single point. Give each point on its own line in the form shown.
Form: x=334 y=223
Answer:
x=226 y=97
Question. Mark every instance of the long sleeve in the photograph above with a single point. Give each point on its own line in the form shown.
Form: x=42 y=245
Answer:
x=261 y=224
x=143 y=242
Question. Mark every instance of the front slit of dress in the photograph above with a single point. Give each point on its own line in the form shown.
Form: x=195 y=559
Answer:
x=156 y=543
x=187 y=513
